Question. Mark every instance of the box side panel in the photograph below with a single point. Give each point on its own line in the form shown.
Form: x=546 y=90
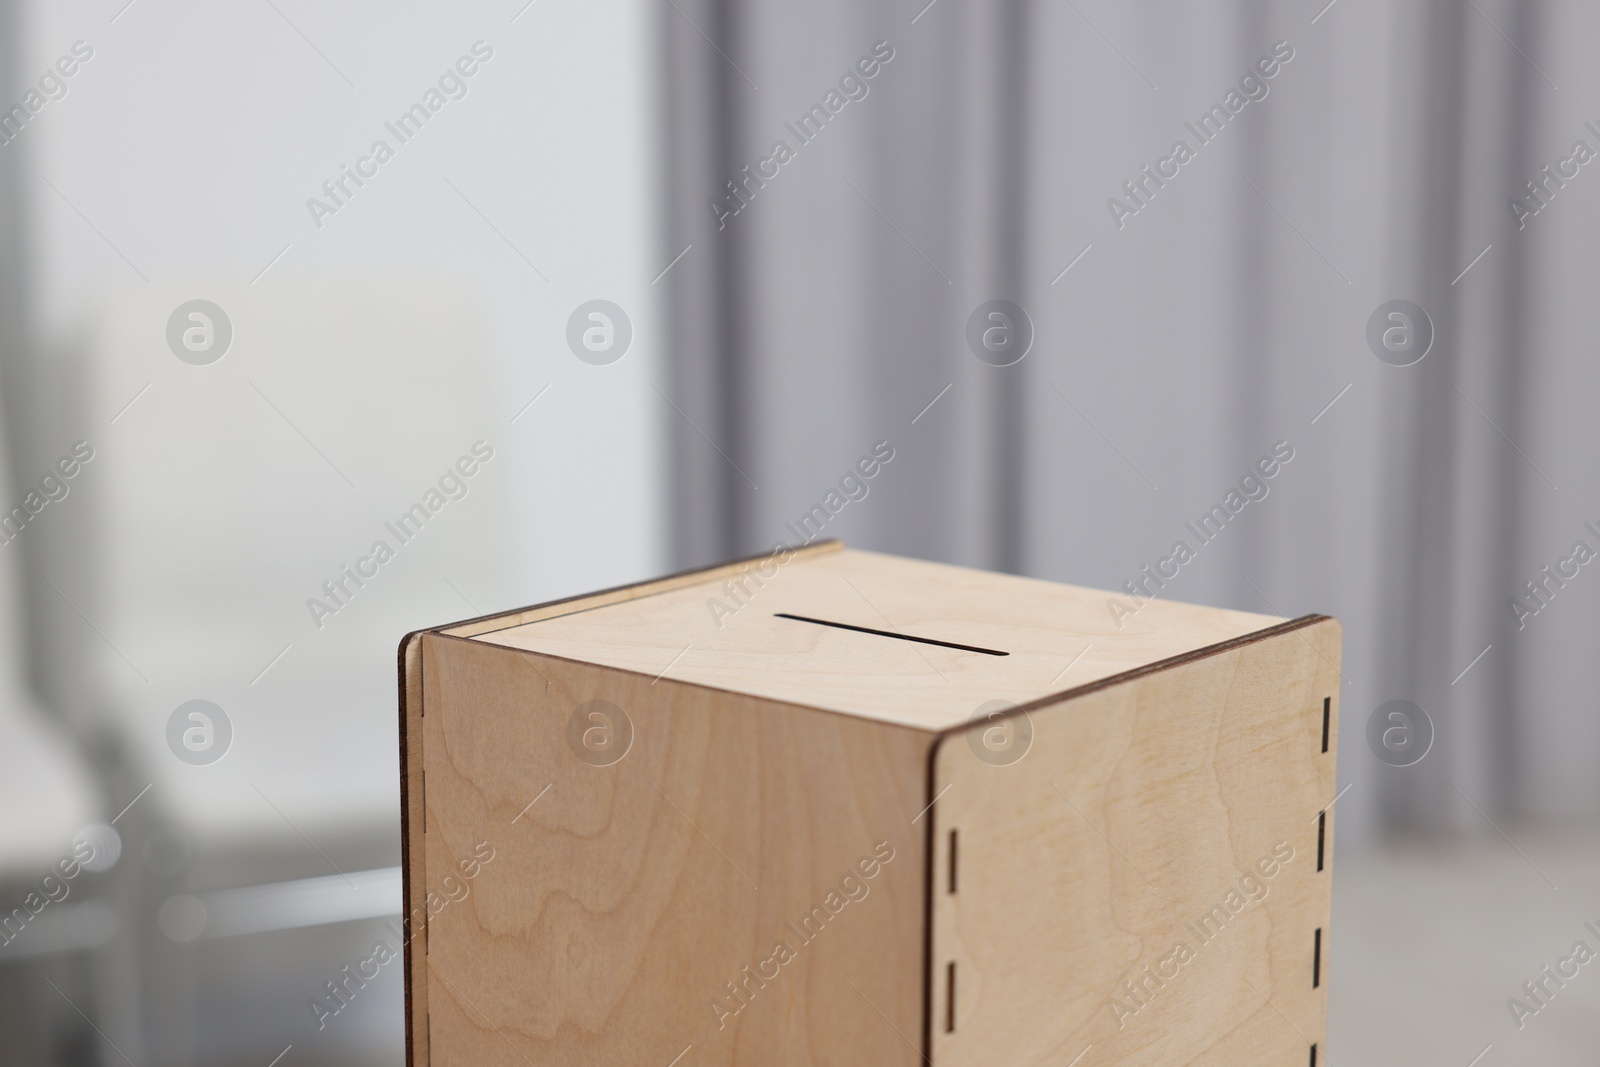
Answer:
x=412 y=701
x=1142 y=875
x=637 y=868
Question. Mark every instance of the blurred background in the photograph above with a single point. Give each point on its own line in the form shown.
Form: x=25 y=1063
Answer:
x=542 y=297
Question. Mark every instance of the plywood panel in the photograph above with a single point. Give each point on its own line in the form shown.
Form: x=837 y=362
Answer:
x=411 y=848
x=618 y=905
x=1137 y=810
x=589 y=910
x=1056 y=637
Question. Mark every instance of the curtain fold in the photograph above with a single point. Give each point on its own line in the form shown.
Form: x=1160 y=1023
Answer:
x=1191 y=311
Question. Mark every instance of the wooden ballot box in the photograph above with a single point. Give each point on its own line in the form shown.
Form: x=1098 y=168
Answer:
x=835 y=807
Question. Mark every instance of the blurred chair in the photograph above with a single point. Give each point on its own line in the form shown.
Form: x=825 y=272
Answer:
x=48 y=796
x=225 y=550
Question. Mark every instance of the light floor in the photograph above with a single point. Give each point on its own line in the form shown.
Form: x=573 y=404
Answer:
x=1428 y=943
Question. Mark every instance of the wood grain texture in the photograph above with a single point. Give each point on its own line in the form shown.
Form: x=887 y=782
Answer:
x=1057 y=637
x=1138 y=809
x=619 y=904
x=588 y=911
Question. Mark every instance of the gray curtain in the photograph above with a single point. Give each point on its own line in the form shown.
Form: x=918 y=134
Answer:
x=817 y=320
x=1487 y=480
x=1176 y=345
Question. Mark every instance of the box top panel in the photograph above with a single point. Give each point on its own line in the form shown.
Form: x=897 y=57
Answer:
x=904 y=641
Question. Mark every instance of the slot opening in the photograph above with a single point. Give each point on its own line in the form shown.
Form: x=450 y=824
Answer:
x=1322 y=836
x=1316 y=960
x=950 y=998
x=952 y=861
x=890 y=633
x=1327 y=715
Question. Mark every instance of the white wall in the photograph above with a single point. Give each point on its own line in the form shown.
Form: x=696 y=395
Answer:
x=195 y=135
